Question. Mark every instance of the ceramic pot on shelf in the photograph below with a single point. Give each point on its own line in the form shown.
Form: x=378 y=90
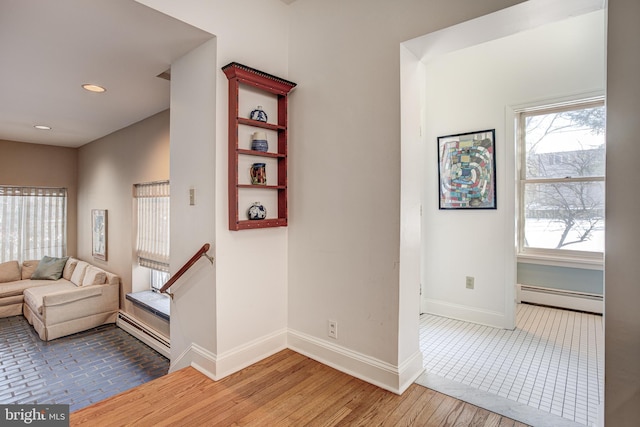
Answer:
x=258 y=173
x=258 y=114
x=257 y=211
x=259 y=141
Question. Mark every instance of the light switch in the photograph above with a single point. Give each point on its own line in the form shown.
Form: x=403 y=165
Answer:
x=192 y=196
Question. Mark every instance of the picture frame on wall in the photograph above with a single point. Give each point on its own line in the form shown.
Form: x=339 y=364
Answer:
x=467 y=170
x=99 y=233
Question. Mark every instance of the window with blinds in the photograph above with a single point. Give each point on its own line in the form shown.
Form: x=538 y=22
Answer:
x=33 y=223
x=152 y=242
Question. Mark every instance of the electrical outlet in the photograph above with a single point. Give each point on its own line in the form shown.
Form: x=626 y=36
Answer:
x=332 y=330
x=470 y=282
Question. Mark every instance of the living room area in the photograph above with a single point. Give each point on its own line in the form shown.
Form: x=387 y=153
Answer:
x=93 y=358
x=83 y=337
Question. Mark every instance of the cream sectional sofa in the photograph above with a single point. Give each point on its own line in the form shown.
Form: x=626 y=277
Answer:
x=84 y=296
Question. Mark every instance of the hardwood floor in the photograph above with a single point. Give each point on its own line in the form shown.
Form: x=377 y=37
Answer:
x=286 y=389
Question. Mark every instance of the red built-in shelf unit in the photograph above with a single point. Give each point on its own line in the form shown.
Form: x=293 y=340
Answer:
x=238 y=76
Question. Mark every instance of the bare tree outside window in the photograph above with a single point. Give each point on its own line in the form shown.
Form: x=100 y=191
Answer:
x=562 y=178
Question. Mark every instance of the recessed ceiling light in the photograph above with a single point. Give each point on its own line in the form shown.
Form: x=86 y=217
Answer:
x=93 y=88
x=42 y=127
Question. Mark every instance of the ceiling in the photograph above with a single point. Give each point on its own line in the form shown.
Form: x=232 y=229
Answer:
x=48 y=49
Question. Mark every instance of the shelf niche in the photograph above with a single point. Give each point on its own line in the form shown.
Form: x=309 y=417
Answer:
x=242 y=78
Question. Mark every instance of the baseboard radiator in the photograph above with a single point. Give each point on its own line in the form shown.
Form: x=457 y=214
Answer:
x=580 y=301
x=144 y=333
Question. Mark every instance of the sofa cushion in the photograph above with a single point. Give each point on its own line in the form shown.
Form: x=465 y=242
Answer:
x=49 y=268
x=33 y=297
x=18 y=287
x=113 y=279
x=78 y=273
x=94 y=276
x=9 y=271
x=69 y=268
x=28 y=267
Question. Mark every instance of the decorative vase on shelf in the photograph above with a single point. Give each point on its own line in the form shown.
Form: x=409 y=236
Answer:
x=256 y=211
x=258 y=173
x=258 y=114
x=259 y=141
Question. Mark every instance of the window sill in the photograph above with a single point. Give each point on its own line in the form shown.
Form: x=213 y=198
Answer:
x=568 y=262
x=153 y=302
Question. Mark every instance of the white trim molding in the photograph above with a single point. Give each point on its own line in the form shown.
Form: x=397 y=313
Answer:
x=218 y=366
x=468 y=314
x=247 y=354
x=395 y=379
x=585 y=263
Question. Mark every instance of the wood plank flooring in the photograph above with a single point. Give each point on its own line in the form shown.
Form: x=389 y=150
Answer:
x=286 y=389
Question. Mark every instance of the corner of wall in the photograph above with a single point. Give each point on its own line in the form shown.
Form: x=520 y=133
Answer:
x=218 y=366
x=395 y=379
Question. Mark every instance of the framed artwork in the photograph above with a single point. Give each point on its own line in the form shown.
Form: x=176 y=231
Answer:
x=99 y=233
x=467 y=170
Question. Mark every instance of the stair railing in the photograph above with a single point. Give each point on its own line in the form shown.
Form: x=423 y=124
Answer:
x=202 y=252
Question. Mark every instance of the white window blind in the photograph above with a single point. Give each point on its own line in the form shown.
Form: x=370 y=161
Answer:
x=152 y=245
x=33 y=223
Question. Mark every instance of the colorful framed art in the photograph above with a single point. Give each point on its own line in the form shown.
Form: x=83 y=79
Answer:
x=467 y=170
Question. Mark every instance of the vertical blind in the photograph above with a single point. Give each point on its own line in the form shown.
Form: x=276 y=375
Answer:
x=33 y=223
x=152 y=243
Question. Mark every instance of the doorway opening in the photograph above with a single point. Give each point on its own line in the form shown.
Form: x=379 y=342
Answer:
x=470 y=77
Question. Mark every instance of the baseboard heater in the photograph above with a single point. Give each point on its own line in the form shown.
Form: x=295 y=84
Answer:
x=144 y=333
x=580 y=301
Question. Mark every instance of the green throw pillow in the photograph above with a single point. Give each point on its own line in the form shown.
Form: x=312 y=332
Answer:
x=49 y=268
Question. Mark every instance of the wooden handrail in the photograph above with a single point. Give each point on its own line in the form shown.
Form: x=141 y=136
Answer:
x=201 y=252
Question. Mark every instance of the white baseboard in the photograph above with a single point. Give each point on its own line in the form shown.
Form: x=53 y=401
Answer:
x=144 y=333
x=580 y=301
x=465 y=313
x=200 y=358
x=245 y=355
x=218 y=366
x=382 y=374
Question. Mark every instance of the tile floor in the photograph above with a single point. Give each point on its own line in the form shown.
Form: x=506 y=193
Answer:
x=552 y=361
x=78 y=370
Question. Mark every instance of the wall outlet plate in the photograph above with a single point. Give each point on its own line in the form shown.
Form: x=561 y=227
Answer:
x=470 y=282
x=332 y=330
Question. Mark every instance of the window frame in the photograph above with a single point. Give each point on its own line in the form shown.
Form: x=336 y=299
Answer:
x=550 y=256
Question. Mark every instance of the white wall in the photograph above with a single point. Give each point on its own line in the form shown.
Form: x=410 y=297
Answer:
x=478 y=88
x=622 y=269
x=239 y=314
x=107 y=170
x=345 y=175
x=193 y=307
x=412 y=93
